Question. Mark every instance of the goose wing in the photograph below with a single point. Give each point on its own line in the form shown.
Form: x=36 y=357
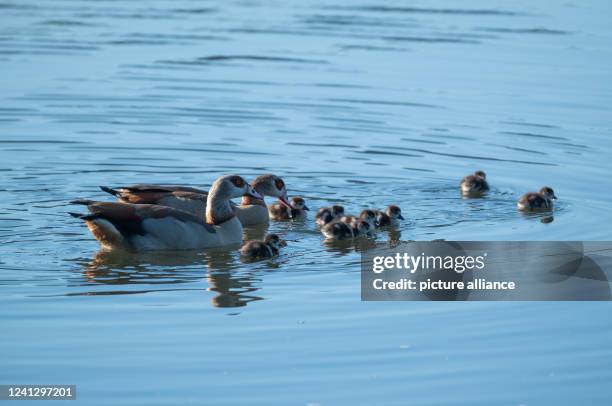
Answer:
x=153 y=194
x=131 y=216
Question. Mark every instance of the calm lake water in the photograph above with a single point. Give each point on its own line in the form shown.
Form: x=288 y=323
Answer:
x=364 y=103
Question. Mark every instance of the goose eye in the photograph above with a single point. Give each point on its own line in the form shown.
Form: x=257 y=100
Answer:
x=238 y=181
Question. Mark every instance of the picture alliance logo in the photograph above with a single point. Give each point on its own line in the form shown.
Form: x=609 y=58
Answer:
x=415 y=263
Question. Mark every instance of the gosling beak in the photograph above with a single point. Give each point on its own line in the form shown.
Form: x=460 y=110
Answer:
x=400 y=217
x=306 y=207
x=283 y=243
x=285 y=202
x=252 y=192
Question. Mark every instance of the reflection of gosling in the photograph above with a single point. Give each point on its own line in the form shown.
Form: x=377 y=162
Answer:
x=281 y=212
x=339 y=230
x=542 y=200
x=328 y=214
x=268 y=248
x=390 y=217
x=369 y=216
x=474 y=184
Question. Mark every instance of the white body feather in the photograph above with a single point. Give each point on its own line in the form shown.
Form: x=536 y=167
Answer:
x=251 y=214
x=170 y=233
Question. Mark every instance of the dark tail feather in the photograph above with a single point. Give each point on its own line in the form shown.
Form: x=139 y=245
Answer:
x=85 y=217
x=109 y=190
x=82 y=201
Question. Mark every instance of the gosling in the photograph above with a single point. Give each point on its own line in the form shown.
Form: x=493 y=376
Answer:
x=339 y=230
x=534 y=201
x=268 y=248
x=367 y=215
x=390 y=217
x=328 y=214
x=474 y=185
x=281 y=212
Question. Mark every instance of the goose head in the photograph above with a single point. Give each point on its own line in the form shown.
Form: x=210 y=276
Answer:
x=273 y=186
x=394 y=212
x=337 y=211
x=218 y=208
x=275 y=241
x=362 y=227
x=233 y=186
x=299 y=203
x=480 y=174
x=548 y=193
x=369 y=216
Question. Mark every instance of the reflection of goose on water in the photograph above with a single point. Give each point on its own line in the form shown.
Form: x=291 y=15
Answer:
x=142 y=272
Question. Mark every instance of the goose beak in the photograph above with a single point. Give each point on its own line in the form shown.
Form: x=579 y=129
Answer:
x=306 y=208
x=400 y=217
x=554 y=197
x=284 y=201
x=252 y=192
x=283 y=243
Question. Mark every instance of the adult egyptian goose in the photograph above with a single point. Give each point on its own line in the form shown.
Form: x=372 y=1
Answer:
x=145 y=227
x=279 y=211
x=535 y=201
x=268 y=248
x=475 y=184
x=252 y=211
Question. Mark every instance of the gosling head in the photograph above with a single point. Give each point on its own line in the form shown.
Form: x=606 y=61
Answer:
x=548 y=193
x=394 y=212
x=337 y=211
x=369 y=216
x=480 y=174
x=275 y=241
x=298 y=203
x=328 y=214
x=363 y=227
x=273 y=186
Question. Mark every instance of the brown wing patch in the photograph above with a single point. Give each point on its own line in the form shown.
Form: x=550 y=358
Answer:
x=161 y=188
x=122 y=215
x=191 y=195
x=128 y=218
x=142 y=197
